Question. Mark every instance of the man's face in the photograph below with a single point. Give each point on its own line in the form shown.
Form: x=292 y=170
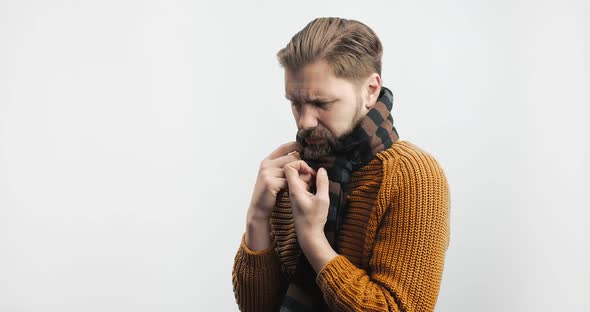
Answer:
x=324 y=107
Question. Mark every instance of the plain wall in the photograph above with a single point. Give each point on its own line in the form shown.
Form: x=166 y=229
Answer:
x=131 y=134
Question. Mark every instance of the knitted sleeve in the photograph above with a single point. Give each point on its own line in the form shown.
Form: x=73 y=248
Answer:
x=408 y=252
x=258 y=282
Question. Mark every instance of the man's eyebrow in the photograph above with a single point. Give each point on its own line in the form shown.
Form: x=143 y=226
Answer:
x=306 y=99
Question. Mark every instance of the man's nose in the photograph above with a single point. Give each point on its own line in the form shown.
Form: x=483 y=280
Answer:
x=308 y=118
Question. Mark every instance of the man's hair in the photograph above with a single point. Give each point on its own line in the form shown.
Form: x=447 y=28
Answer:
x=351 y=48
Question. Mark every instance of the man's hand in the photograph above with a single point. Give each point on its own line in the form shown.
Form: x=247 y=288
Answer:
x=271 y=179
x=310 y=212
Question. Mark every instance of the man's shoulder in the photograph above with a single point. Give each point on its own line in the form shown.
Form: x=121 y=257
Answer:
x=406 y=156
x=404 y=150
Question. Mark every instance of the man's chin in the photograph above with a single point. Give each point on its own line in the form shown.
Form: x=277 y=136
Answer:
x=317 y=151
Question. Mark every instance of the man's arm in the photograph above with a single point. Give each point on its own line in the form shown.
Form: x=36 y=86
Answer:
x=258 y=282
x=407 y=261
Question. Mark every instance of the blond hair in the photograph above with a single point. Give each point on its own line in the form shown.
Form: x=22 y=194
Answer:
x=351 y=48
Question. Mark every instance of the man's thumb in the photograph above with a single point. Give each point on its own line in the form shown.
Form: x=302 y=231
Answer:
x=322 y=183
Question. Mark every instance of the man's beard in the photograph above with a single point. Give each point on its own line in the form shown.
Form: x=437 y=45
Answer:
x=326 y=146
x=329 y=143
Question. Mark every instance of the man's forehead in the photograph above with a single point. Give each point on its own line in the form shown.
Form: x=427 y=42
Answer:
x=305 y=95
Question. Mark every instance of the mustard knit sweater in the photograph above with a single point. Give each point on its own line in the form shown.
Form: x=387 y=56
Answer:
x=391 y=247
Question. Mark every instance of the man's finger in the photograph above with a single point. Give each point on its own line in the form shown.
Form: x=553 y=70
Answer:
x=284 y=149
x=302 y=167
x=292 y=175
x=281 y=161
x=307 y=177
x=322 y=184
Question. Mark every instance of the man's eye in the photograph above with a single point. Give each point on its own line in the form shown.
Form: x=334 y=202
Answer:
x=318 y=104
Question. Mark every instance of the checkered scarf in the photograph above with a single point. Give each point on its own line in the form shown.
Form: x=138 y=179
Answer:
x=374 y=133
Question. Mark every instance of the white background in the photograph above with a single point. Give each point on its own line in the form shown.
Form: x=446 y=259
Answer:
x=131 y=134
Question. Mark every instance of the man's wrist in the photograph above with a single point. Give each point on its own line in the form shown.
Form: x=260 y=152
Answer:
x=257 y=234
x=318 y=250
x=257 y=224
x=313 y=240
x=255 y=215
x=252 y=219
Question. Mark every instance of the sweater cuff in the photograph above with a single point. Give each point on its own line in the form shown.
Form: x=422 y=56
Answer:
x=335 y=272
x=256 y=259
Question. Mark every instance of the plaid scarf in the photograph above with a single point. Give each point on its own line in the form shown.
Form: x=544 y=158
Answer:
x=374 y=133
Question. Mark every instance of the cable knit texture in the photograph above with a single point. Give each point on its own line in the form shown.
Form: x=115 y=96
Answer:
x=391 y=247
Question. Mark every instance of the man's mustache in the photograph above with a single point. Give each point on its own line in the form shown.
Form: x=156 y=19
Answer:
x=307 y=134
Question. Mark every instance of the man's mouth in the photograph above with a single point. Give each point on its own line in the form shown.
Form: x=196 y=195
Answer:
x=313 y=140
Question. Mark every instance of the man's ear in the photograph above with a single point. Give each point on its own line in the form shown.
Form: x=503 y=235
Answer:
x=373 y=88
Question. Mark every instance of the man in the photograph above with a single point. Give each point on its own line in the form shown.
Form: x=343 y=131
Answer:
x=348 y=217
